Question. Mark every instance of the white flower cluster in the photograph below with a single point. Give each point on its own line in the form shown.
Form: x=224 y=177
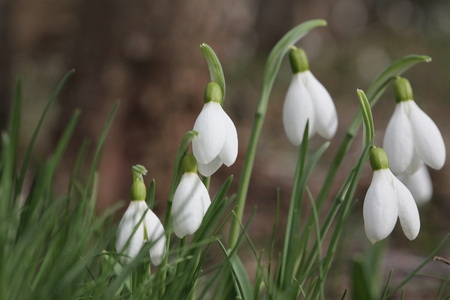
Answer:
x=215 y=144
x=412 y=140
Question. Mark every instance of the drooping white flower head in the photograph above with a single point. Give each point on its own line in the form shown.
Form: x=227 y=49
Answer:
x=149 y=228
x=411 y=137
x=419 y=184
x=217 y=141
x=307 y=99
x=191 y=200
x=386 y=200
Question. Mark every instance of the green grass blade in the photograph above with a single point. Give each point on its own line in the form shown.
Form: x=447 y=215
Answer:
x=26 y=160
x=398 y=67
x=99 y=149
x=293 y=253
x=44 y=178
x=239 y=274
x=151 y=194
x=215 y=68
x=294 y=210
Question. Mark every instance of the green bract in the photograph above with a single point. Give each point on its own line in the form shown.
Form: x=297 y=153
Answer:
x=138 y=191
x=298 y=60
x=189 y=164
x=213 y=93
x=402 y=90
x=378 y=159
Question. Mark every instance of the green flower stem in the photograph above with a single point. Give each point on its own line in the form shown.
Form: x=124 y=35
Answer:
x=270 y=72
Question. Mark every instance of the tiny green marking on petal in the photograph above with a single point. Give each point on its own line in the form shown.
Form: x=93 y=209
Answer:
x=189 y=164
x=378 y=159
x=402 y=90
x=213 y=92
x=299 y=60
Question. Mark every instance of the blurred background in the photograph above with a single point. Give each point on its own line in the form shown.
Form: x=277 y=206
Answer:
x=146 y=54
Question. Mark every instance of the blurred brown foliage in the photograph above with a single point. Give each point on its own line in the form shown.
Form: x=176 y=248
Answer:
x=146 y=54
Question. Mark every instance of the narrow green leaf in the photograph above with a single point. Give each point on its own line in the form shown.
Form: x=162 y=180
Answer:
x=45 y=177
x=151 y=194
x=239 y=274
x=99 y=150
x=293 y=255
x=360 y=282
x=294 y=214
x=215 y=68
x=396 y=68
x=386 y=286
x=26 y=160
x=367 y=116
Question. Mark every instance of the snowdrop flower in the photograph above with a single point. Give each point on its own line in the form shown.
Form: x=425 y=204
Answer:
x=307 y=99
x=217 y=141
x=149 y=229
x=191 y=200
x=386 y=200
x=419 y=183
x=411 y=138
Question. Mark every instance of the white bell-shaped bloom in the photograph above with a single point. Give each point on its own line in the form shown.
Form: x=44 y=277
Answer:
x=217 y=141
x=149 y=229
x=411 y=137
x=190 y=203
x=388 y=198
x=419 y=184
x=307 y=99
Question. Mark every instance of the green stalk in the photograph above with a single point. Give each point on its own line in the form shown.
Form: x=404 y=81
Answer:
x=270 y=71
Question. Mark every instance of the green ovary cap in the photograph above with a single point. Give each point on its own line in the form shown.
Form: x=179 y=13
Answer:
x=189 y=164
x=402 y=90
x=138 y=191
x=378 y=159
x=299 y=61
x=213 y=92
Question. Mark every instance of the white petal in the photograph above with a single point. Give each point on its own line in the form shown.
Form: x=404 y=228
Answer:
x=211 y=133
x=156 y=235
x=380 y=206
x=407 y=211
x=206 y=200
x=210 y=168
x=188 y=206
x=326 y=120
x=419 y=184
x=297 y=110
x=229 y=150
x=416 y=164
x=398 y=141
x=130 y=219
x=428 y=140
